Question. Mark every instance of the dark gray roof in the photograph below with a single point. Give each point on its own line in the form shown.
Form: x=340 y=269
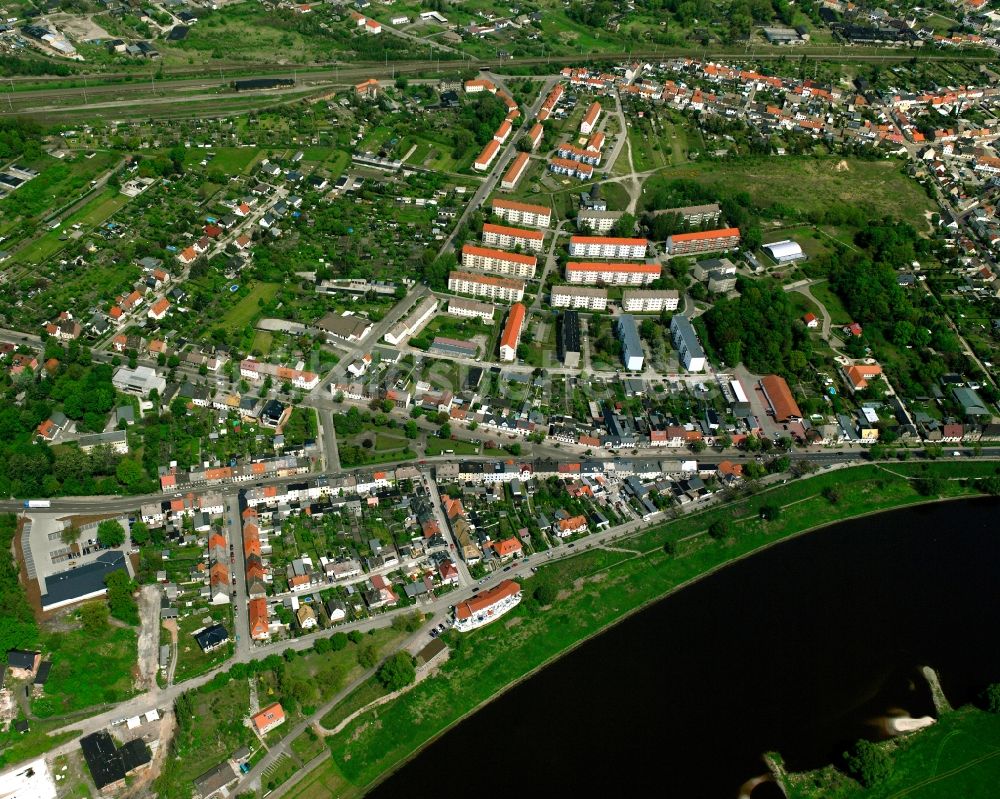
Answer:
x=43 y=672
x=83 y=580
x=102 y=758
x=21 y=658
x=215 y=778
x=212 y=636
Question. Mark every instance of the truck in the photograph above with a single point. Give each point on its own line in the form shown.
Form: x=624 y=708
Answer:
x=37 y=503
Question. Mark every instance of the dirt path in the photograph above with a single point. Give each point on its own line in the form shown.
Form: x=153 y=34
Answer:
x=149 y=635
x=171 y=626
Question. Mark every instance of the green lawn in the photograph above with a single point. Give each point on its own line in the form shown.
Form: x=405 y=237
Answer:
x=307 y=745
x=245 y=309
x=436 y=446
x=231 y=160
x=191 y=661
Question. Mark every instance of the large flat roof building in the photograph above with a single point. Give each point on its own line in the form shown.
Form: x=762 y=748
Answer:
x=686 y=341
x=628 y=334
x=569 y=338
x=139 y=381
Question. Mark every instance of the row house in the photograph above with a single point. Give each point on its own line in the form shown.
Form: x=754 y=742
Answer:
x=612 y=274
x=499 y=262
x=476 y=285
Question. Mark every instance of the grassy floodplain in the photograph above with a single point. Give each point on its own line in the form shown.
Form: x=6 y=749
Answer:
x=598 y=588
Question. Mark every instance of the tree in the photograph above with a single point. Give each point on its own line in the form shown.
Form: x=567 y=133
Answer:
x=70 y=535
x=94 y=616
x=121 y=601
x=869 y=763
x=720 y=529
x=338 y=641
x=322 y=646
x=110 y=533
x=368 y=656
x=770 y=512
x=545 y=594
x=831 y=494
x=139 y=534
x=397 y=672
x=355 y=636
x=992 y=696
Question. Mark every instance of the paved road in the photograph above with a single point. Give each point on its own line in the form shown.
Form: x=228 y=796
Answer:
x=241 y=611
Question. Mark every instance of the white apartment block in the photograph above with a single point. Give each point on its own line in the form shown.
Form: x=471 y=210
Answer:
x=611 y=274
x=579 y=297
x=413 y=323
x=496 y=288
x=471 y=309
x=597 y=221
x=498 y=262
x=603 y=247
x=522 y=213
x=650 y=301
x=507 y=238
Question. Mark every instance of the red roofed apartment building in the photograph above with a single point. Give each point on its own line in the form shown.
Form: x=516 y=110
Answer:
x=487 y=156
x=612 y=274
x=488 y=606
x=515 y=172
x=574 y=169
x=590 y=120
x=511 y=336
x=705 y=241
x=507 y=238
x=496 y=288
x=522 y=213
x=499 y=262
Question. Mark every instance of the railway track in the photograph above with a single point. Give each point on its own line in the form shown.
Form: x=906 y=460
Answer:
x=106 y=93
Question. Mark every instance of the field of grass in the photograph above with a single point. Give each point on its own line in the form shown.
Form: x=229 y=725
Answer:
x=307 y=745
x=74 y=683
x=957 y=757
x=824 y=294
x=807 y=184
x=94 y=213
x=436 y=446
x=231 y=160
x=606 y=585
x=244 y=310
x=58 y=184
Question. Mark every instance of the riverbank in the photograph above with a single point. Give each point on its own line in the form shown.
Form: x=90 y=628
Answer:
x=600 y=587
x=959 y=756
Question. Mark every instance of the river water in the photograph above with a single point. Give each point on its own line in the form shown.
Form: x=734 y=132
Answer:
x=801 y=649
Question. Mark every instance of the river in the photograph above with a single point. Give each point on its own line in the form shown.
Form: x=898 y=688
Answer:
x=802 y=648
